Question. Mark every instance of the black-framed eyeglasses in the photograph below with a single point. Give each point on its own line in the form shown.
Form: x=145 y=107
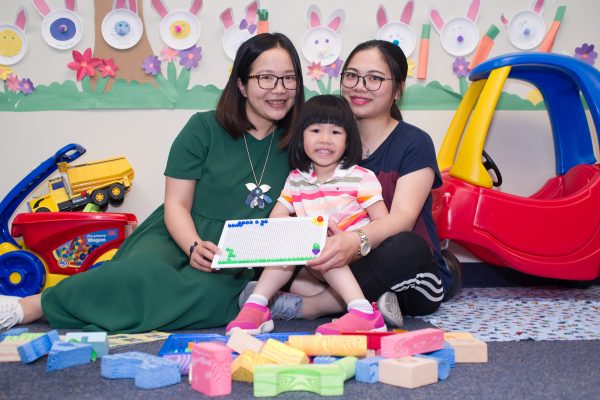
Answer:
x=269 y=81
x=371 y=82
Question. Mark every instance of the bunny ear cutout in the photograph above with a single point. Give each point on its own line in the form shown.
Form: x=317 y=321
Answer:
x=160 y=8
x=21 y=20
x=196 y=6
x=133 y=6
x=407 y=12
x=382 y=18
x=436 y=20
x=42 y=7
x=70 y=5
x=314 y=16
x=227 y=18
x=251 y=11
x=337 y=19
x=119 y=4
x=473 y=11
x=537 y=7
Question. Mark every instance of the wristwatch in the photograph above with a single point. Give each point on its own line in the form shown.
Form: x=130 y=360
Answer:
x=365 y=246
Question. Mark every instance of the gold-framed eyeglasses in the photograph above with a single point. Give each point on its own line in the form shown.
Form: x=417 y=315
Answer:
x=370 y=82
x=269 y=81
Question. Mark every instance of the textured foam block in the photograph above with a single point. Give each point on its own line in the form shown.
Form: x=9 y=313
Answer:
x=242 y=368
x=271 y=380
x=408 y=372
x=98 y=340
x=443 y=366
x=410 y=343
x=240 y=341
x=469 y=350
x=367 y=369
x=122 y=365
x=281 y=353
x=330 y=345
x=156 y=372
x=447 y=353
x=211 y=363
x=66 y=354
x=38 y=347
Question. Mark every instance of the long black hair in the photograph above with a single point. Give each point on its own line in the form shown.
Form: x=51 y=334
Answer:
x=396 y=61
x=231 y=108
x=324 y=109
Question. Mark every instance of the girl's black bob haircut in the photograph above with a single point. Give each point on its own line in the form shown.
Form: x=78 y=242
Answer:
x=324 y=109
x=231 y=108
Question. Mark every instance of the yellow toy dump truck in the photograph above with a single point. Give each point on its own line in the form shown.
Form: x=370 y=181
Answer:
x=100 y=183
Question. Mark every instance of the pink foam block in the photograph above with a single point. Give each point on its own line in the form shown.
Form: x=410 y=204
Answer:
x=211 y=369
x=411 y=343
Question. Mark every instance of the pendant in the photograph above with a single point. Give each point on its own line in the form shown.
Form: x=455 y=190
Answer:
x=257 y=196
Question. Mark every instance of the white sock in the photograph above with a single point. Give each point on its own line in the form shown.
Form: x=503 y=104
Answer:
x=361 y=305
x=258 y=299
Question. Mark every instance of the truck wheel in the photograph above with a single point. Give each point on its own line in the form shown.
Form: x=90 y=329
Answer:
x=116 y=192
x=100 y=197
x=42 y=209
x=21 y=274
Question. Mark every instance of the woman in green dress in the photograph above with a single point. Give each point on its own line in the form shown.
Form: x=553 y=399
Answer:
x=225 y=164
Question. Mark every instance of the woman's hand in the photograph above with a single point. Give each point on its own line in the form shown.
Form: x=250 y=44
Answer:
x=339 y=250
x=203 y=254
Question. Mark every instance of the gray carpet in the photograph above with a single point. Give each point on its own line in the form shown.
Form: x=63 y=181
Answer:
x=516 y=370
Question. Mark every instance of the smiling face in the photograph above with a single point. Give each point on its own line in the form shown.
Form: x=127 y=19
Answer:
x=365 y=103
x=10 y=43
x=325 y=145
x=266 y=106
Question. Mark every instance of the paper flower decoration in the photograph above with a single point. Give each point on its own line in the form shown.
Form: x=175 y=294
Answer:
x=411 y=67
x=586 y=53
x=151 y=65
x=460 y=66
x=84 y=63
x=189 y=58
x=5 y=72
x=108 y=67
x=168 y=54
x=333 y=69
x=26 y=86
x=12 y=83
x=315 y=71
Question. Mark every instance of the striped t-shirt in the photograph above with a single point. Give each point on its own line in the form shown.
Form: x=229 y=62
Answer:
x=344 y=198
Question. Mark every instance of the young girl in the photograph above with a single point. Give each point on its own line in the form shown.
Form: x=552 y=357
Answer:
x=323 y=152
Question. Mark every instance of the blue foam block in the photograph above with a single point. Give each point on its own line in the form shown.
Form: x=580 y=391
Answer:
x=66 y=354
x=122 y=365
x=367 y=370
x=443 y=366
x=447 y=353
x=156 y=372
x=38 y=347
x=325 y=359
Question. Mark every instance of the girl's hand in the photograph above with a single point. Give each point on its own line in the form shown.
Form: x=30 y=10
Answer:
x=339 y=250
x=203 y=254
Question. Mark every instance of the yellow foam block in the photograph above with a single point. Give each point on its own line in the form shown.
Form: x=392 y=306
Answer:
x=242 y=368
x=330 y=345
x=281 y=353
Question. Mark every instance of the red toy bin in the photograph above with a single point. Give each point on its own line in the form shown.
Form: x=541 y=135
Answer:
x=70 y=242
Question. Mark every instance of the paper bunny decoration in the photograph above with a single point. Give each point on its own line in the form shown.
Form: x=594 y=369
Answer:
x=122 y=28
x=460 y=35
x=398 y=33
x=526 y=29
x=13 y=42
x=236 y=34
x=61 y=28
x=322 y=43
x=179 y=29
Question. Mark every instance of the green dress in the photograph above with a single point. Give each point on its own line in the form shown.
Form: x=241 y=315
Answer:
x=149 y=284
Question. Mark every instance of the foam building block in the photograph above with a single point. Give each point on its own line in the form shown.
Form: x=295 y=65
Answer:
x=281 y=353
x=211 y=364
x=8 y=349
x=98 y=341
x=442 y=365
x=240 y=341
x=348 y=366
x=13 y=332
x=469 y=350
x=367 y=369
x=330 y=345
x=280 y=336
x=271 y=380
x=149 y=371
x=373 y=338
x=183 y=361
x=458 y=335
x=67 y=354
x=38 y=347
x=447 y=353
x=408 y=372
x=410 y=343
x=242 y=368
x=324 y=359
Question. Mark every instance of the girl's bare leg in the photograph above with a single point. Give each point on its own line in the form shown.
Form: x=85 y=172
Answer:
x=318 y=298
x=32 y=308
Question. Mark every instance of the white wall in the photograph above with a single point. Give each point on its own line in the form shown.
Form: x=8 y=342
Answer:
x=520 y=141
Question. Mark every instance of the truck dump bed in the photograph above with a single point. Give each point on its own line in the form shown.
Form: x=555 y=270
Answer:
x=84 y=177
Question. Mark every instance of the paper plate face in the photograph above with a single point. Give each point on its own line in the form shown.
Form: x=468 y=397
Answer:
x=399 y=34
x=459 y=36
x=13 y=44
x=233 y=39
x=180 y=30
x=62 y=29
x=526 y=30
x=122 y=29
x=321 y=44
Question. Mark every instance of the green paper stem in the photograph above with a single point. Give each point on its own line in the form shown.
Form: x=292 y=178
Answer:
x=86 y=85
x=183 y=81
x=321 y=86
x=166 y=88
x=172 y=73
x=101 y=84
x=463 y=85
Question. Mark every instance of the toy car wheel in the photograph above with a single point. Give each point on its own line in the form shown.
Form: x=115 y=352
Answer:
x=456 y=270
x=42 y=209
x=100 y=197
x=21 y=274
x=116 y=192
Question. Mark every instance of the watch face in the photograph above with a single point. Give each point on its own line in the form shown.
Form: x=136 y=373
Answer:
x=365 y=249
